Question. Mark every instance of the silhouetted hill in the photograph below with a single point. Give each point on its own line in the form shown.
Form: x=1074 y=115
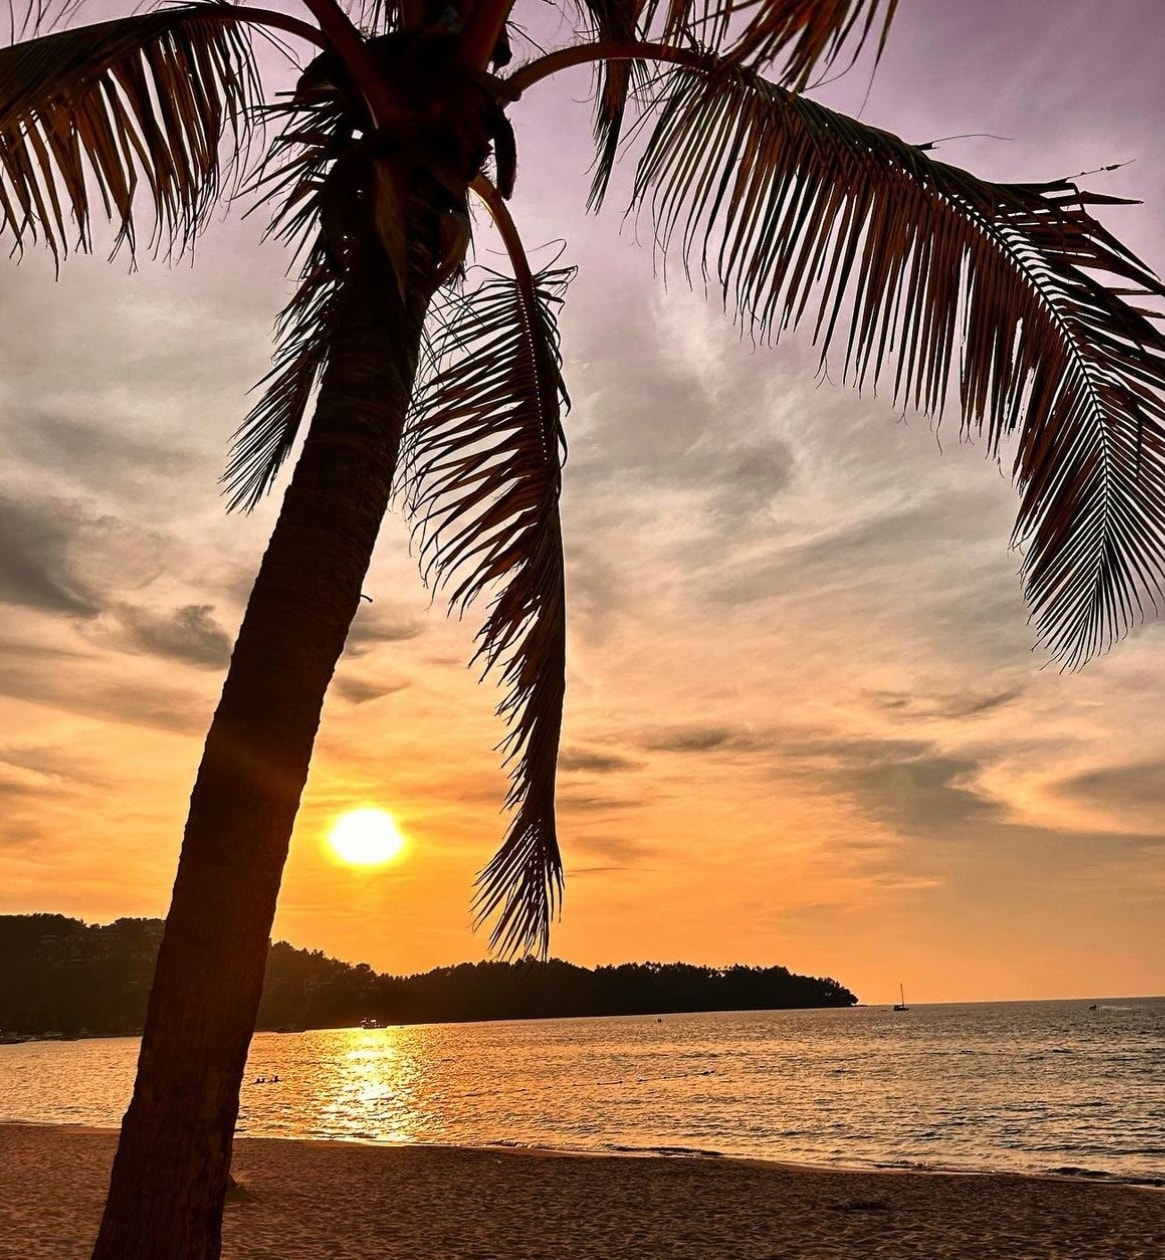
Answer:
x=61 y=975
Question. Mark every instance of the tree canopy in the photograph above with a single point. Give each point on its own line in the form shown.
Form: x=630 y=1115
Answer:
x=60 y=975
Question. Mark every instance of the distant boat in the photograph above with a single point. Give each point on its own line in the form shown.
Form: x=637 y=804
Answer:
x=372 y=1023
x=901 y=1006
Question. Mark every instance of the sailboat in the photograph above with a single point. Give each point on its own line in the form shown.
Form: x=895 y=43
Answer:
x=901 y=1005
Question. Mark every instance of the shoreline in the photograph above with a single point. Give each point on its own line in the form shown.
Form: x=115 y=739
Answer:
x=306 y=1199
x=1094 y=1002
x=669 y=1154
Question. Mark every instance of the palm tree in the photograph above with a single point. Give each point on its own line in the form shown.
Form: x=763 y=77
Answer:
x=1011 y=299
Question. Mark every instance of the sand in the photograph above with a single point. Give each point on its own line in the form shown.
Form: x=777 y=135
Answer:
x=317 y=1200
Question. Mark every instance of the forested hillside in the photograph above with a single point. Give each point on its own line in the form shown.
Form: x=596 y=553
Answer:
x=61 y=975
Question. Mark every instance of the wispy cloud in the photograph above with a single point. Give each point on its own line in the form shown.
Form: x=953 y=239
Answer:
x=36 y=564
x=590 y=761
x=189 y=634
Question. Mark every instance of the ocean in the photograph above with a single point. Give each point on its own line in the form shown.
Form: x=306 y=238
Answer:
x=1027 y=1086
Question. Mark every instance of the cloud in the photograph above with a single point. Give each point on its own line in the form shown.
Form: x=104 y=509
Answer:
x=854 y=551
x=91 y=455
x=677 y=407
x=189 y=634
x=735 y=479
x=693 y=739
x=66 y=681
x=49 y=763
x=598 y=589
x=813 y=912
x=924 y=795
x=359 y=691
x=25 y=656
x=1139 y=784
x=576 y=802
x=843 y=753
x=587 y=761
x=10 y=789
x=703 y=739
x=36 y=564
x=372 y=627
x=912 y=785
x=615 y=852
x=951 y=706
x=747 y=477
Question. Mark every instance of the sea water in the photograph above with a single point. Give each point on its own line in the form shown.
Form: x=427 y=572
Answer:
x=1031 y=1086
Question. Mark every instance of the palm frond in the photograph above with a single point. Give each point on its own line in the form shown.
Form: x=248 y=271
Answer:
x=31 y=17
x=782 y=199
x=375 y=17
x=483 y=468
x=611 y=22
x=806 y=36
x=267 y=435
x=91 y=117
x=809 y=34
x=291 y=178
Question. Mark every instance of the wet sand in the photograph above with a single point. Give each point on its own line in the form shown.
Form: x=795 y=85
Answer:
x=316 y=1200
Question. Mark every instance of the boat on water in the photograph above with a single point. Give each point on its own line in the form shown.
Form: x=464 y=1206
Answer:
x=900 y=1005
x=372 y=1023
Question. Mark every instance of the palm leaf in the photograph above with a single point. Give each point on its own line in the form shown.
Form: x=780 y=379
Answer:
x=30 y=17
x=611 y=22
x=267 y=435
x=91 y=117
x=783 y=200
x=808 y=34
x=292 y=178
x=483 y=468
x=375 y=17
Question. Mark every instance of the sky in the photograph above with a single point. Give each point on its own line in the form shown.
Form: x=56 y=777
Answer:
x=806 y=719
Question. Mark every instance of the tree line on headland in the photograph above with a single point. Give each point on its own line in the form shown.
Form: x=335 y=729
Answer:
x=59 y=975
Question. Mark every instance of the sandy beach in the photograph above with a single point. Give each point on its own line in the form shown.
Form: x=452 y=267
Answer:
x=316 y=1199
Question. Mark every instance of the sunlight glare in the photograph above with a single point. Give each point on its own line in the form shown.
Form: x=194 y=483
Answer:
x=366 y=837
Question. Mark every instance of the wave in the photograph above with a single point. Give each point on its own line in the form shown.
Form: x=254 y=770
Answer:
x=1100 y=1174
x=681 y=1152
x=613 y=1148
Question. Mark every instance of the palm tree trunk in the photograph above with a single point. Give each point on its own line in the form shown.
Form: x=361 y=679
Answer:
x=171 y=1171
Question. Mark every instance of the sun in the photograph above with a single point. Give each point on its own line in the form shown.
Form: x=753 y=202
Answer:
x=366 y=837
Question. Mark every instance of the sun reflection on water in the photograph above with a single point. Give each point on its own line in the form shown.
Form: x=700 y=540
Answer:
x=374 y=1088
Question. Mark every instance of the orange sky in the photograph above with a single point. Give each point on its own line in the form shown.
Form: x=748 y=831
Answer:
x=805 y=723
